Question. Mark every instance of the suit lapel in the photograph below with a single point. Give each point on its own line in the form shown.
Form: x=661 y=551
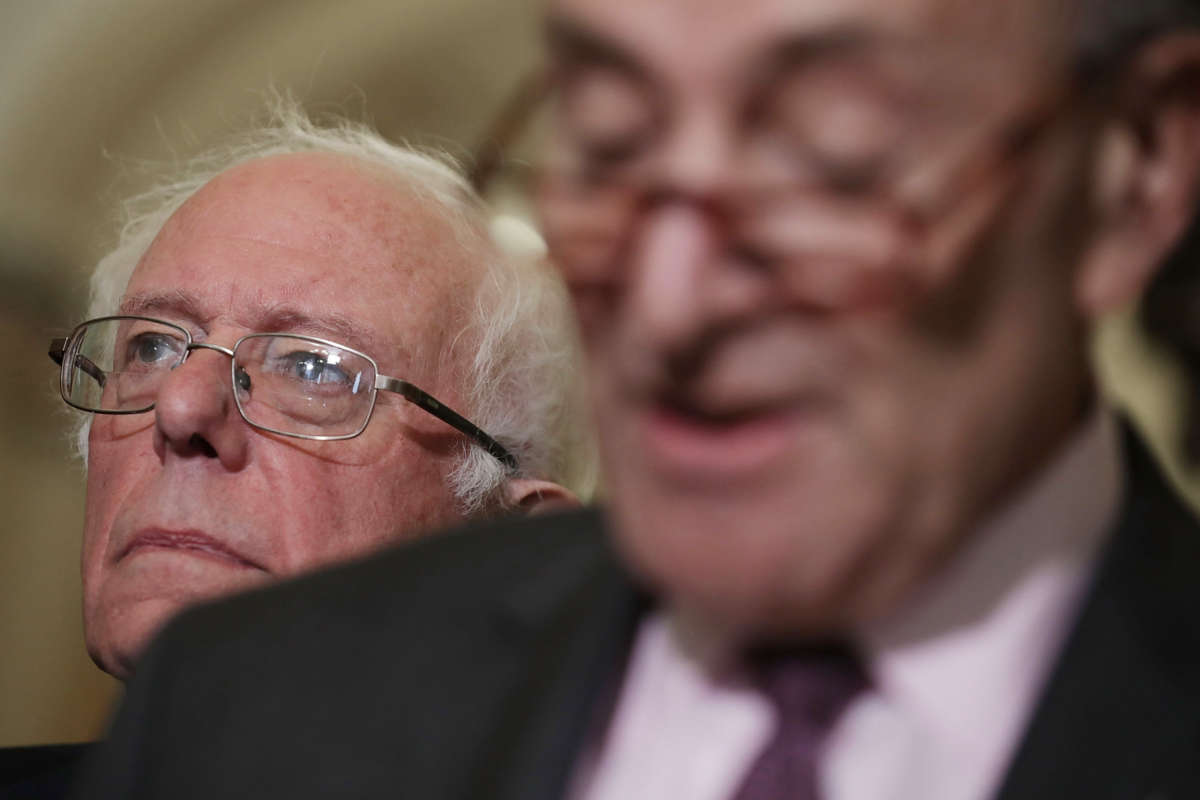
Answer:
x=1120 y=717
x=569 y=628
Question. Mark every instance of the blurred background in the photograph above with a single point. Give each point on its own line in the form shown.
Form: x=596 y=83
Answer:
x=96 y=97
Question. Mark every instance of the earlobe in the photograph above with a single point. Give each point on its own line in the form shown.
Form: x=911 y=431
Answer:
x=1107 y=273
x=531 y=496
x=1113 y=275
x=1146 y=174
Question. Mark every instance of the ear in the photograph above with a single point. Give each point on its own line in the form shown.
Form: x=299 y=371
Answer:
x=530 y=496
x=1147 y=174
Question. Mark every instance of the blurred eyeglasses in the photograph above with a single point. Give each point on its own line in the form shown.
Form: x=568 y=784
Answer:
x=822 y=165
x=283 y=383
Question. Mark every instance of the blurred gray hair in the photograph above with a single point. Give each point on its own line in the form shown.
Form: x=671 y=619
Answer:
x=518 y=348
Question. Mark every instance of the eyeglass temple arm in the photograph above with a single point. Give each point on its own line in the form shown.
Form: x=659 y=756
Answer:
x=58 y=351
x=448 y=415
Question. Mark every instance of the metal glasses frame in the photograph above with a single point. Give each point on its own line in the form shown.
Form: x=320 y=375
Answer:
x=64 y=351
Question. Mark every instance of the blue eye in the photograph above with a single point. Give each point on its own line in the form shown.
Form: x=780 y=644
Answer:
x=312 y=368
x=152 y=348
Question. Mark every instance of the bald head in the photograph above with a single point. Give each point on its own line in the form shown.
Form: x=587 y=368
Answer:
x=370 y=226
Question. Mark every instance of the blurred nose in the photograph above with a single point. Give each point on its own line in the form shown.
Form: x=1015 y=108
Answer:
x=195 y=415
x=684 y=279
x=672 y=258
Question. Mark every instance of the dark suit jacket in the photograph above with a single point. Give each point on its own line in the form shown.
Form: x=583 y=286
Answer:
x=470 y=666
x=41 y=772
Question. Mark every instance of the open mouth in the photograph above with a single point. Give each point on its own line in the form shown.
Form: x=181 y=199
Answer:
x=718 y=418
x=723 y=443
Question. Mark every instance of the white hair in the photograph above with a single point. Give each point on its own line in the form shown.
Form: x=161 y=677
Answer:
x=518 y=347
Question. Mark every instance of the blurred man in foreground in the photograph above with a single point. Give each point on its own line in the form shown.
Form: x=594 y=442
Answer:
x=872 y=532
x=275 y=352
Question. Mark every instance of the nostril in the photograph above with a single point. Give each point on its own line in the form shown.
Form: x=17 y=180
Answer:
x=201 y=445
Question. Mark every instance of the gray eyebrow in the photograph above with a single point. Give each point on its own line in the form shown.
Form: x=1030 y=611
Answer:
x=337 y=326
x=795 y=51
x=266 y=318
x=147 y=304
x=572 y=41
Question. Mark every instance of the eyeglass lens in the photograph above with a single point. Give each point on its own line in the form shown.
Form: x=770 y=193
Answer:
x=295 y=385
x=285 y=383
x=118 y=364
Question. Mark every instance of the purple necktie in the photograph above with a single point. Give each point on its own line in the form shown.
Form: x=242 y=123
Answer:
x=809 y=689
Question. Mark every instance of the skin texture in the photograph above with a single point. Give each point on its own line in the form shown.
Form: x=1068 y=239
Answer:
x=278 y=244
x=783 y=457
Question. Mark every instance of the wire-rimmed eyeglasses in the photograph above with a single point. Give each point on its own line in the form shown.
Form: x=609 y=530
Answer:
x=283 y=383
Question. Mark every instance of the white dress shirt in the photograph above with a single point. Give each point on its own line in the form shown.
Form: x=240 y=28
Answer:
x=955 y=674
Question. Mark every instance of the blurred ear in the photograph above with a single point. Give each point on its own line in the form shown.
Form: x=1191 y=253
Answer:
x=530 y=496
x=1147 y=173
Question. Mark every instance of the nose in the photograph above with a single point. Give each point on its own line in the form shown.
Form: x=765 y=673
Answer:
x=684 y=278
x=671 y=258
x=195 y=414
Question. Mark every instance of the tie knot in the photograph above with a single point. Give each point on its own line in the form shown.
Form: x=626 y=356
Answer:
x=809 y=686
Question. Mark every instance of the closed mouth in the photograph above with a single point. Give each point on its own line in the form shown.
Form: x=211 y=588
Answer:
x=190 y=540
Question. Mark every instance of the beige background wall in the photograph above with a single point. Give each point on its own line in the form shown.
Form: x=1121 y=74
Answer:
x=91 y=88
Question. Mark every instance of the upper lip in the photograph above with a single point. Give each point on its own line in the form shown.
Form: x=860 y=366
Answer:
x=714 y=413
x=190 y=539
x=720 y=385
x=731 y=404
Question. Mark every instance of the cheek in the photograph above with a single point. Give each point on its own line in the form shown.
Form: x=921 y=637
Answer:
x=339 y=512
x=115 y=467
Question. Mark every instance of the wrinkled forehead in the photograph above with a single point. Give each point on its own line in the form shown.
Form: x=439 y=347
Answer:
x=324 y=237
x=326 y=204
x=706 y=42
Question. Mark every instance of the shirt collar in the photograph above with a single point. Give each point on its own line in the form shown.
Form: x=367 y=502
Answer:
x=977 y=640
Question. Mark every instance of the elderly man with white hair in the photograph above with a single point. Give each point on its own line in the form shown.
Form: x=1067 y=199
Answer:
x=307 y=348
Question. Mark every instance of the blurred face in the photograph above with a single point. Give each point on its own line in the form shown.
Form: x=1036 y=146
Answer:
x=187 y=501
x=824 y=254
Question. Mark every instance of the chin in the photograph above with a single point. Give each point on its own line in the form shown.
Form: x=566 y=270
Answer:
x=763 y=561
x=117 y=643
